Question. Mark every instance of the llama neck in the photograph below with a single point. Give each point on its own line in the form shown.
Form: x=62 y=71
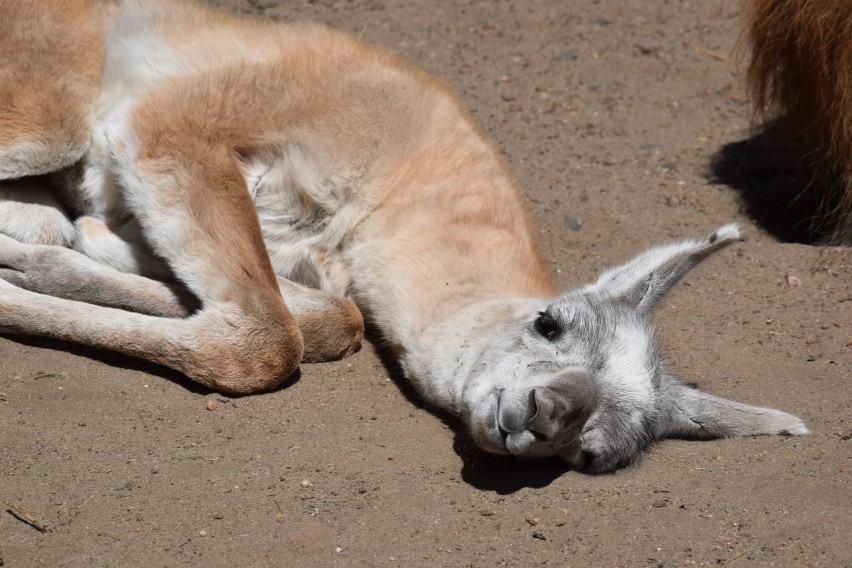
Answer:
x=443 y=265
x=440 y=360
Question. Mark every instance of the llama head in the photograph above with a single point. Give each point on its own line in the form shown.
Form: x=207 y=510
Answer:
x=580 y=376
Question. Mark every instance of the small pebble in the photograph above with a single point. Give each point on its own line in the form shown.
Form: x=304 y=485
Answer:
x=212 y=405
x=306 y=483
x=508 y=97
x=533 y=521
x=573 y=223
x=202 y=532
x=539 y=536
x=793 y=281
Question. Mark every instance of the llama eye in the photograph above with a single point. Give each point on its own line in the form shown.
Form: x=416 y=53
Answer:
x=547 y=326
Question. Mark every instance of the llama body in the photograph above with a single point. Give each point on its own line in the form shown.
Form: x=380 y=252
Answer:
x=213 y=165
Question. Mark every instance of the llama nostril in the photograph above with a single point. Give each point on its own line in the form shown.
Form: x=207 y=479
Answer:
x=532 y=407
x=553 y=414
x=515 y=410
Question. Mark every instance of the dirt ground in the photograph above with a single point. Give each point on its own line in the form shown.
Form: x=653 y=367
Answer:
x=626 y=123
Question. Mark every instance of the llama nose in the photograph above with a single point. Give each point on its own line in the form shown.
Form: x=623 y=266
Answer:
x=542 y=411
x=554 y=411
x=515 y=409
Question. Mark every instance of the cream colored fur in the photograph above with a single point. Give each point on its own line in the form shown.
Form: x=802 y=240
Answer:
x=231 y=189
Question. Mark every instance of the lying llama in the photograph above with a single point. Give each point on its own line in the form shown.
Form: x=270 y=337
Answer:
x=274 y=174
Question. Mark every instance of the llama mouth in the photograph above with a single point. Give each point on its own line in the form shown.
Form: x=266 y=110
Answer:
x=494 y=437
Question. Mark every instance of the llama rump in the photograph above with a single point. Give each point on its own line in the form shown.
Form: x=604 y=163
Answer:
x=800 y=70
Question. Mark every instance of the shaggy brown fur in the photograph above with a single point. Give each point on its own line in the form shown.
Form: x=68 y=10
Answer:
x=801 y=70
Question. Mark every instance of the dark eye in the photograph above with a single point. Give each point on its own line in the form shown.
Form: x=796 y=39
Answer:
x=547 y=326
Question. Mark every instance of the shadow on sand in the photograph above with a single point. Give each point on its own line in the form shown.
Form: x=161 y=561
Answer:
x=125 y=362
x=501 y=474
x=776 y=183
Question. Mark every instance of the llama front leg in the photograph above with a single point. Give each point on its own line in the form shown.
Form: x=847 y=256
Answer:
x=30 y=213
x=200 y=220
x=219 y=347
x=160 y=340
x=229 y=363
x=332 y=326
x=65 y=273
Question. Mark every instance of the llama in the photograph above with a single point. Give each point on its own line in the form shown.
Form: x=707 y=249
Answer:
x=800 y=70
x=228 y=196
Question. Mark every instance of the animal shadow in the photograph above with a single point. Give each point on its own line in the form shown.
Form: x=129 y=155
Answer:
x=501 y=474
x=126 y=362
x=504 y=474
x=777 y=184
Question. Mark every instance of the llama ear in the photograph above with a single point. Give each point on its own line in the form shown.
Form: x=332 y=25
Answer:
x=642 y=281
x=689 y=413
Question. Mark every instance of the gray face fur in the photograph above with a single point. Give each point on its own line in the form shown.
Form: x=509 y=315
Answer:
x=581 y=377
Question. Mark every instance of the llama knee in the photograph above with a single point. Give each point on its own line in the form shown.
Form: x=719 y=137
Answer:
x=332 y=330
x=243 y=354
x=30 y=214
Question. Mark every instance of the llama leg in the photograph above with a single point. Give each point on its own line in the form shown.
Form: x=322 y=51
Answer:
x=191 y=202
x=332 y=327
x=51 y=54
x=30 y=213
x=65 y=273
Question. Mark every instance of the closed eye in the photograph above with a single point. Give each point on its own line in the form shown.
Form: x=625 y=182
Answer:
x=547 y=326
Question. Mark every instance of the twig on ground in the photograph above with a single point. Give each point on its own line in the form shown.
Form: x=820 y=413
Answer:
x=24 y=516
x=46 y=376
x=280 y=514
x=713 y=54
x=732 y=558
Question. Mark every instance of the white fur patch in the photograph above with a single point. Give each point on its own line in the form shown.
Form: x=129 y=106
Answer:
x=21 y=160
x=30 y=214
x=307 y=203
x=627 y=374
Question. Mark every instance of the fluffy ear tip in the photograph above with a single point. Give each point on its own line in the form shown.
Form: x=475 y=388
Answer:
x=797 y=429
x=727 y=233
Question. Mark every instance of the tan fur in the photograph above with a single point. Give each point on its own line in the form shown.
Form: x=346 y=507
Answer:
x=422 y=196
x=801 y=69
x=51 y=53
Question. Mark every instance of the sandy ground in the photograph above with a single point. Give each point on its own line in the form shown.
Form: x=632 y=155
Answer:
x=626 y=123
